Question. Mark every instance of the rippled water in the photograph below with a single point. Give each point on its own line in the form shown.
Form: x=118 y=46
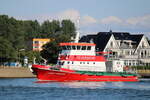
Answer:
x=30 y=89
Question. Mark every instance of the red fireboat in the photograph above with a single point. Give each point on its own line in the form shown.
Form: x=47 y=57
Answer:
x=80 y=62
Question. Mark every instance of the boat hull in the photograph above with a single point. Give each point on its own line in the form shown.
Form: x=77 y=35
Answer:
x=66 y=76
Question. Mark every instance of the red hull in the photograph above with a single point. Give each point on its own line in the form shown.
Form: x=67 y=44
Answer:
x=62 y=76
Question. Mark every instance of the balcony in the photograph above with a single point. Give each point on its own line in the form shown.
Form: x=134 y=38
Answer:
x=129 y=56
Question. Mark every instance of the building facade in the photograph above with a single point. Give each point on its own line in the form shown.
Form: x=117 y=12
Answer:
x=133 y=49
x=37 y=43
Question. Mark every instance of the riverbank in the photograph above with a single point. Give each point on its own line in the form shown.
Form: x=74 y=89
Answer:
x=24 y=72
x=15 y=72
x=144 y=73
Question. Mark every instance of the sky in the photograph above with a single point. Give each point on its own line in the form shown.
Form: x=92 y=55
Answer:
x=95 y=16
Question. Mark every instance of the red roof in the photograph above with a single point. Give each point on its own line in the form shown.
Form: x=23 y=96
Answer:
x=77 y=44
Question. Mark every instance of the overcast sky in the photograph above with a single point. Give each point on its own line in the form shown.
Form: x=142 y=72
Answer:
x=95 y=15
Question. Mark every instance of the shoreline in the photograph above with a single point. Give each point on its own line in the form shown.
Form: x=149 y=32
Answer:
x=15 y=72
x=24 y=72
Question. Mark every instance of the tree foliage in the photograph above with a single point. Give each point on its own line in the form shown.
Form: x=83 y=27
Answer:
x=51 y=50
x=7 y=52
x=15 y=33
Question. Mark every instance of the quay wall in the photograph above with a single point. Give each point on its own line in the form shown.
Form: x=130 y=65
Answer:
x=15 y=72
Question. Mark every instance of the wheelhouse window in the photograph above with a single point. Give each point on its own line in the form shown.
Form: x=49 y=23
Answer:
x=88 y=47
x=73 y=47
x=83 y=47
x=78 y=47
x=68 y=47
x=64 y=48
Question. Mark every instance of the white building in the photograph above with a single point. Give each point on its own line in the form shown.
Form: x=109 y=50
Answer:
x=133 y=49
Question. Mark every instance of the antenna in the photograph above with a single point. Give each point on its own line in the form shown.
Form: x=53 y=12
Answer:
x=77 y=32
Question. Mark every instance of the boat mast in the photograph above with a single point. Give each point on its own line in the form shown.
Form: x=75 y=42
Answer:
x=77 y=32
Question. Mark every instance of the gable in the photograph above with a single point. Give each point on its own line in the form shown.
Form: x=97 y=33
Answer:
x=143 y=43
x=112 y=43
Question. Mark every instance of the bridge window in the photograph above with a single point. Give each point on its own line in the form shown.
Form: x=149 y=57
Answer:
x=78 y=47
x=73 y=47
x=88 y=47
x=64 y=47
x=68 y=47
x=83 y=47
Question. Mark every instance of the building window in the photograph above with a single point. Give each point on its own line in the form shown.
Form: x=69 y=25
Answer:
x=143 y=44
x=127 y=52
x=35 y=47
x=129 y=64
x=145 y=53
x=36 y=41
x=118 y=62
x=142 y=54
x=42 y=42
x=111 y=44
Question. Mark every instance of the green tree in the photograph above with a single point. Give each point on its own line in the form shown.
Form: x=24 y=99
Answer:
x=48 y=29
x=33 y=55
x=51 y=50
x=11 y=30
x=68 y=28
x=31 y=29
x=7 y=52
x=15 y=33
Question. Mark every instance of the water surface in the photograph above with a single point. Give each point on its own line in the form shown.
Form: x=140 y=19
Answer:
x=30 y=89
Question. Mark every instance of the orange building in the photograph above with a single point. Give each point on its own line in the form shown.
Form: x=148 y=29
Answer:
x=38 y=43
